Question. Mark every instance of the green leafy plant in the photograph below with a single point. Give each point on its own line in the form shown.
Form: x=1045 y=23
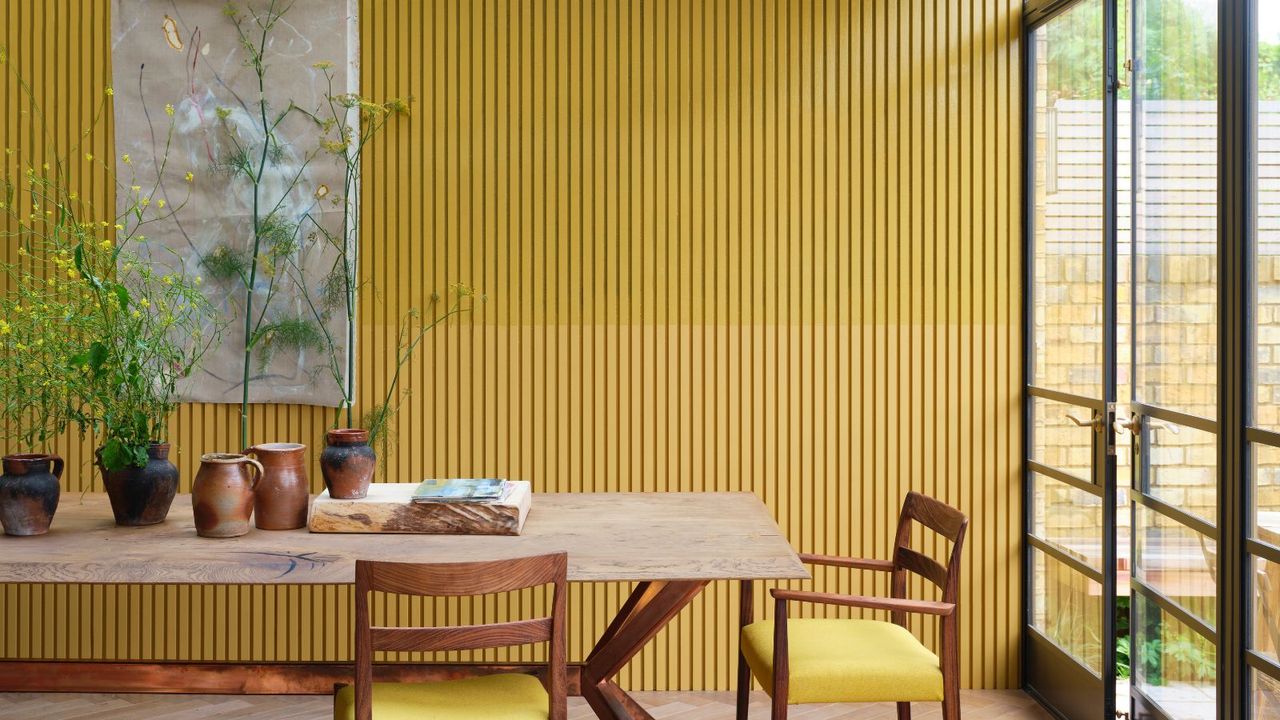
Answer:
x=1158 y=647
x=98 y=328
x=150 y=327
x=1123 y=664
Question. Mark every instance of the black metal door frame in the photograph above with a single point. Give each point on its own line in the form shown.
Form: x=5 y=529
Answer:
x=1067 y=688
x=1237 y=548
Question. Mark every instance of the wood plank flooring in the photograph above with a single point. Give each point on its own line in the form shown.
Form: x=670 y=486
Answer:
x=985 y=704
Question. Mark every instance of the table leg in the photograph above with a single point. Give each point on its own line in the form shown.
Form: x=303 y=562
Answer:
x=649 y=608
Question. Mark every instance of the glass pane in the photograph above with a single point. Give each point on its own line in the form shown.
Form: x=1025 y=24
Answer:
x=1172 y=664
x=1179 y=562
x=1067 y=609
x=1180 y=466
x=1266 y=492
x=1058 y=442
x=1067 y=293
x=1266 y=696
x=1266 y=604
x=1175 y=205
x=1266 y=412
x=1069 y=518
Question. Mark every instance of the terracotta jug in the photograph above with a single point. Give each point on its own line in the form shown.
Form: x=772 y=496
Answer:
x=347 y=463
x=222 y=494
x=282 y=495
x=29 y=491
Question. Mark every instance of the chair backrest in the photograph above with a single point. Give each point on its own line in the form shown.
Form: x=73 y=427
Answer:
x=455 y=580
x=942 y=519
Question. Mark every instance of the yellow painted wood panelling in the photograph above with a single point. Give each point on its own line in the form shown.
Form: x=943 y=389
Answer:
x=769 y=245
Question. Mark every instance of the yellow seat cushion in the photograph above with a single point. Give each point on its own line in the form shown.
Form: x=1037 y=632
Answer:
x=491 y=697
x=834 y=661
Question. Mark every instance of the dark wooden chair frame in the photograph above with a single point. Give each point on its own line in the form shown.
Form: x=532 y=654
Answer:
x=458 y=580
x=937 y=516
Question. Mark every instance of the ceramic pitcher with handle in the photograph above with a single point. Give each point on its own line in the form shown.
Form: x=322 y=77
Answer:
x=222 y=494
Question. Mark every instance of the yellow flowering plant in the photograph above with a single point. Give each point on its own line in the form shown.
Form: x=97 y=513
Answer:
x=97 y=335
x=95 y=332
x=348 y=141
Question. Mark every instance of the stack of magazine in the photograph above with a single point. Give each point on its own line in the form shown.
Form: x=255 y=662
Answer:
x=482 y=491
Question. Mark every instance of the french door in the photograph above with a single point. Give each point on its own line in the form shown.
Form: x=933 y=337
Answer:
x=1152 y=552
x=1070 y=524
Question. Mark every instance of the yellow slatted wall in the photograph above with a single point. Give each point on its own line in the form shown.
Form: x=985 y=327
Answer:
x=768 y=245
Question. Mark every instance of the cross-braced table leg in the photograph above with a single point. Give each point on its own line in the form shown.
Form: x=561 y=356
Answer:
x=651 y=606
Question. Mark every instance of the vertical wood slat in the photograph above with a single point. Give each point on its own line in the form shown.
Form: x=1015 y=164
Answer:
x=755 y=245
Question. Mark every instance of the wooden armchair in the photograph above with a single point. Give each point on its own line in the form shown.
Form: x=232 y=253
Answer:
x=830 y=661
x=509 y=696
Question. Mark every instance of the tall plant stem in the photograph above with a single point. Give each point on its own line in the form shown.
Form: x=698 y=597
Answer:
x=257 y=243
x=351 y=262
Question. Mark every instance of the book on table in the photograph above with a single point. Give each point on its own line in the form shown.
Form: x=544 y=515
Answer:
x=462 y=490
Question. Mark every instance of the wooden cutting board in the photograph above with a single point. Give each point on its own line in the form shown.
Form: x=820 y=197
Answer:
x=389 y=508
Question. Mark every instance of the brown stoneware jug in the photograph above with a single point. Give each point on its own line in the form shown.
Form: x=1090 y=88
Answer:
x=283 y=493
x=29 y=491
x=222 y=494
x=347 y=463
x=142 y=495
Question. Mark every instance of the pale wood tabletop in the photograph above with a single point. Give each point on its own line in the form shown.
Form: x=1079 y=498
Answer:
x=609 y=537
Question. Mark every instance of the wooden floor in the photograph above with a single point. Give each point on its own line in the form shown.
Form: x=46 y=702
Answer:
x=985 y=704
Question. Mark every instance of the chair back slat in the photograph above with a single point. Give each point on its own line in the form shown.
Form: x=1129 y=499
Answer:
x=456 y=580
x=467 y=578
x=935 y=515
x=921 y=564
x=461 y=637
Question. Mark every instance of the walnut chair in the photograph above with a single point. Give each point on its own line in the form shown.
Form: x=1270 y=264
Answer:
x=504 y=696
x=849 y=661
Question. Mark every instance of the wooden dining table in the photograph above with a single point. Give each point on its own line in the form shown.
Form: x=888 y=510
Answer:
x=671 y=545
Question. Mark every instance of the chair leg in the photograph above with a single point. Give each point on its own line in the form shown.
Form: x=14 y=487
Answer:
x=904 y=711
x=950 y=698
x=778 y=708
x=950 y=668
x=744 y=687
x=781 y=662
x=951 y=707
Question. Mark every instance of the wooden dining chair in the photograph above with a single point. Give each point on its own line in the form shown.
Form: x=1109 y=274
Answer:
x=862 y=660
x=504 y=696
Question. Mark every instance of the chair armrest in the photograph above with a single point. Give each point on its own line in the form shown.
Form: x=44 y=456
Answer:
x=922 y=607
x=855 y=563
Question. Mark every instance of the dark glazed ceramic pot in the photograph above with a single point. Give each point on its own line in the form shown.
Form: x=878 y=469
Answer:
x=283 y=494
x=222 y=494
x=142 y=495
x=29 y=491
x=347 y=463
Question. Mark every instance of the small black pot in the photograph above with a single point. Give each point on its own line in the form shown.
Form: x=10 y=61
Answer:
x=29 y=491
x=142 y=495
x=347 y=463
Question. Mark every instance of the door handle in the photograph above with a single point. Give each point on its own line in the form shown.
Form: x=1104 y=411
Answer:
x=1133 y=424
x=1095 y=423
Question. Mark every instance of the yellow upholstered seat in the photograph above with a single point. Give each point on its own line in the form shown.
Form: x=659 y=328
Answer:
x=491 y=697
x=846 y=661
